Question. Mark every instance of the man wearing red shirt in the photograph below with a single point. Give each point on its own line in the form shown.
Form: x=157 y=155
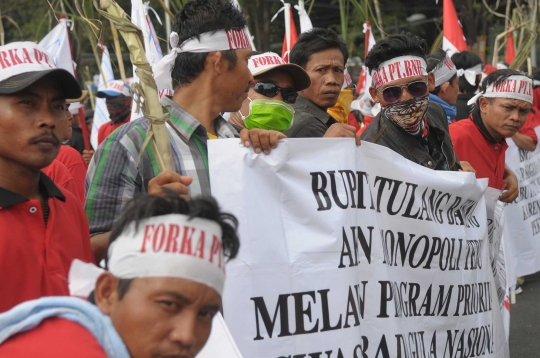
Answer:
x=42 y=227
x=501 y=109
x=118 y=102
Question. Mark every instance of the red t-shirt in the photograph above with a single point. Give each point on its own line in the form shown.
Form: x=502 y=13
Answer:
x=35 y=258
x=108 y=128
x=472 y=146
x=53 y=338
x=76 y=165
x=61 y=176
x=528 y=127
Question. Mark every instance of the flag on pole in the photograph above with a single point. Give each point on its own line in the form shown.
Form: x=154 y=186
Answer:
x=364 y=80
x=510 y=55
x=453 y=39
x=291 y=36
x=305 y=22
x=57 y=45
x=101 y=115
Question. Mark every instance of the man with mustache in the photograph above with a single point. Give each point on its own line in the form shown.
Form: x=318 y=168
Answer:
x=499 y=111
x=323 y=55
x=42 y=227
x=208 y=70
x=408 y=123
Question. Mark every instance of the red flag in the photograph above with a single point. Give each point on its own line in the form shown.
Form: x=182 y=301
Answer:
x=453 y=40
x=510 y=49
x=290 y=31
x=364 y=80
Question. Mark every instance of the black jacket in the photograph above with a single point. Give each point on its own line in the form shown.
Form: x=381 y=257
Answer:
x=310 y=120
x=384 y=132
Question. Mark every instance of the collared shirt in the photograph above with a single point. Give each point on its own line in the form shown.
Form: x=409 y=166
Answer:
x=310 y=120
x=485 y=155
x=35 y=257
x=113 y=176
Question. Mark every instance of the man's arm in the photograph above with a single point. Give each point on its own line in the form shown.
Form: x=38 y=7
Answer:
x=510 y=185
x=524 y=142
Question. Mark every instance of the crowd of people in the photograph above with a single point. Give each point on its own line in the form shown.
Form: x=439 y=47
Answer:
x=62 y=206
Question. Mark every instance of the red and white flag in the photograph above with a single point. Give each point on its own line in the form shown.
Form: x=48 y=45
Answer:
x=510 y=55
x=364 y=80
x=453 y=40
x=291 y=36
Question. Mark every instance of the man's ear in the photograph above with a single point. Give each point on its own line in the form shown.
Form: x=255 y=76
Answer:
x=373 y=93
x=431 y=81
x=218 y=63
x=106 y=292
x=483 y=104
x=444 y=87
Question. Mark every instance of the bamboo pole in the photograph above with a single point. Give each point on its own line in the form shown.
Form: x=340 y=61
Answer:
x=167 y=10
x=118 y=52
x=379 y=18
x=146 y=91
x=2 y=33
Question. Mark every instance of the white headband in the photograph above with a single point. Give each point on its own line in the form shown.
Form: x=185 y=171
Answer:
x=514 y=87
x=536 y=83
x=221 y=40
x=444 y=72
x=470 y=73
x=398 y=68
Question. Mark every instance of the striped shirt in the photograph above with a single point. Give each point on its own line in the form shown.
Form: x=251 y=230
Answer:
x=113 y=177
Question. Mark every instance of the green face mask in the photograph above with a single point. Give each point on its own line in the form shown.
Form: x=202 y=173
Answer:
x=269 y=114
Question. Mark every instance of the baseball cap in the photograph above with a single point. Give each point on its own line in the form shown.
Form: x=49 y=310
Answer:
x=114 y=89
x=268 y=61
x=24 y=63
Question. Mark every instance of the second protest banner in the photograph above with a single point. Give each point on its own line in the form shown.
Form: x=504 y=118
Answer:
x=355 y=252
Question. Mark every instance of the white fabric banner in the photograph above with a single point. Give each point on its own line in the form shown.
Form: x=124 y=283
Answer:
x=358 y=255
x=101 y=114
x=523 y=215
x=57 y=45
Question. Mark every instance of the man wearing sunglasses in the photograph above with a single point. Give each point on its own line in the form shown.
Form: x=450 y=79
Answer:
x=323 y=55
x=408 y=123
x=271 y=95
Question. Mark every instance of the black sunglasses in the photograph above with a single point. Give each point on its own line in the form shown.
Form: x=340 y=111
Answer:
x=393 y=94
x=269 y=89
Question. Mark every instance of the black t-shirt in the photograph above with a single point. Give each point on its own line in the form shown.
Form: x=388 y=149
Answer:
x=463 y=110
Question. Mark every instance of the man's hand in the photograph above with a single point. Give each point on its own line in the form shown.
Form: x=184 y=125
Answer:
x=524 y=142
x=511 y=187
x=467 y=167
x=339 y=130
x=87 y=155
x=172 y=182
x=261 y=139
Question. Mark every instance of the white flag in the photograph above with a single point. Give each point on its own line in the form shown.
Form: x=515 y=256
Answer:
x=57 y=45
x=101 y=115
x=305 y=22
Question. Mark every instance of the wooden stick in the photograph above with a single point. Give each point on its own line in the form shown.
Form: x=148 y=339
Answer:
x=167 y=10
x=118 y=52
x=2 y=34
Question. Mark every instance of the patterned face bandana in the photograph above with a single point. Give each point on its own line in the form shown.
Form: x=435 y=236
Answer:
x=409 y=115
x=119 y=108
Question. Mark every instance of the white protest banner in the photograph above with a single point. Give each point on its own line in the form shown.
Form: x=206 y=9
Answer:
x=366 y=255
x=101 y=114
x=220 y=343
x=523 y=215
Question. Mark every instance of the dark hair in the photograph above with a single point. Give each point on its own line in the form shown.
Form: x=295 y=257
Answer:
x=147 y=206
x=536 y=74
x=196 y=18
x=464 y=60
x=434 y=62
x=394 y=46
x=316 y=40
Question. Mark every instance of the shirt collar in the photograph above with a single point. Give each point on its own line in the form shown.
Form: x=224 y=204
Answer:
x=9 y=198
x=186 y=124
x=311 y=108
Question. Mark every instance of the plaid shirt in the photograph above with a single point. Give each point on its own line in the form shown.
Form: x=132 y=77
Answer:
x=113 y=178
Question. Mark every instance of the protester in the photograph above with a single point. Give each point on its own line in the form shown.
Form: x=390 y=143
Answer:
x=42 y=227
x=408 y=123
x=271 y=95
x=469 y=66
x=76 y=141
x=118 y=101
x=323 y=55
x=155 y=300
x=499 y=111
x=446 y=82
x=205 y=85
